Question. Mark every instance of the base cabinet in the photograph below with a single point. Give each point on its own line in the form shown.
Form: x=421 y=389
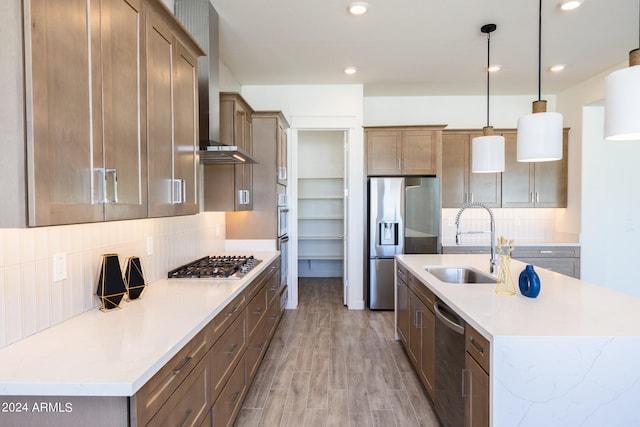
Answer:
x=416 y=326
x=476 y=390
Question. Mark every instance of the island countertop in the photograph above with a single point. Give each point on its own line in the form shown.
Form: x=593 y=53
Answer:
x=565 y=306
x=115 y=353
x=567 y=357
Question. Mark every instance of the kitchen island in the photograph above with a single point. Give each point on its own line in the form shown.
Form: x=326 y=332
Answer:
x=567 y=357
x=95 y=364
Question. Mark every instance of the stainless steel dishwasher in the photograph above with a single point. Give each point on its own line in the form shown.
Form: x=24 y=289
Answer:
x=449 y=343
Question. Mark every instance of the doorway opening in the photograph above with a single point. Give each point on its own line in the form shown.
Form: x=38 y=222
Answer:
x=321 y=204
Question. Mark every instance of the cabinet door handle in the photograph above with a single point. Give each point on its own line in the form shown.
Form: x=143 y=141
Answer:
x=114 y=180
x=233 y=310
x=546 y=252
x=184 y=363
x=184 y=191
x=476 y=345
x=466 y=384
x=187 y=415
x=234 y=397
x=471 y=197
x=232 y=349
x=537 y=197
x=531 y=197
x=258 y=311
x=240 y=197
x=247 y=197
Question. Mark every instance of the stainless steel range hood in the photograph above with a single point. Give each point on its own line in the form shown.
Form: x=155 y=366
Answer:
x=200 y=18
x=217 y=153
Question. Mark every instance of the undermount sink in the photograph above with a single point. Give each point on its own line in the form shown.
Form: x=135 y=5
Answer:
x=460 y=275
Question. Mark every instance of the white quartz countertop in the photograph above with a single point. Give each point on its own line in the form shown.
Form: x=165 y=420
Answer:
x=564 y=307
x=115 y=353
x=519 y=243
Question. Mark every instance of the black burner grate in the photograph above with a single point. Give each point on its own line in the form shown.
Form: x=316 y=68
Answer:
x=216 y=267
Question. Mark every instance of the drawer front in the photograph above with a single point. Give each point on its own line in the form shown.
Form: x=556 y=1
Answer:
x=401 y=272
x=227 y=316
x=226 y=353
x=190 y=403
x=546 y=252
x=466 y=249
x=256 y=310
x=255 y=349
x=273 y=286
x=478 y=347
x=153 y=395
x=424 y=293
x=227 y=406
x=275 y=311
x=568 y=266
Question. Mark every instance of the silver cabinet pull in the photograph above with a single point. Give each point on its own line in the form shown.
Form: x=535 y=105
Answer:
x=531 y=197
x=537 y=197
x=233 y=310
x=187 y=415
x=247 y=197
x=114 y=175
x=234 y=397
x=476 y=345
x=179 y=196
x=231 y=350
x=184 y=363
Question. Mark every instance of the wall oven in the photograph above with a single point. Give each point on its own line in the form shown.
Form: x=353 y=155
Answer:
x=283 y=238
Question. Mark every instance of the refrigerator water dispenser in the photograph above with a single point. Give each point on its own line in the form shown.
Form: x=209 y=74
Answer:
x=388 y=233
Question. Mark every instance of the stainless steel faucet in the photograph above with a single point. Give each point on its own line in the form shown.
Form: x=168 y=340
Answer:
x=494 y=260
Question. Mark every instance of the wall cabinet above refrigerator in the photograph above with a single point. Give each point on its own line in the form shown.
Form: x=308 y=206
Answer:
x=403 y=150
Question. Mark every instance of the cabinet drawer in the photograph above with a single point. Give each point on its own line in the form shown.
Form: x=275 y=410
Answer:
x=153 y=395
x=273 y=286
x=401 y=272
x=478 y=347
x=255 y=349
x=226 y=353
x=228 y=404
x=256 y=310
x=227 y=316
x=421 y=291
x=273 y=318
x=190 y=403
x=568 y=266
x=466 y=250
x=546 y=252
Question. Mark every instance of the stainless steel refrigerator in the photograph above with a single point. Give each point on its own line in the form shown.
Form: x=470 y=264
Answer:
x=404 y=217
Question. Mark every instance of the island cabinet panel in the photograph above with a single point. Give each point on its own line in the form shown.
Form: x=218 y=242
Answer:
x=416 y=325
x=459 y=184
x=403 y=150
x=476 y=379
x=539 y=184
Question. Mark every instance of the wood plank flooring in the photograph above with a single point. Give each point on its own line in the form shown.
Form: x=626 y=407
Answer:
x=329 y=366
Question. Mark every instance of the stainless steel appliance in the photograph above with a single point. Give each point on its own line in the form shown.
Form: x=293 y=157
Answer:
x=404 y=217
x=283 y=235
x=449 y=344
x=216 y=267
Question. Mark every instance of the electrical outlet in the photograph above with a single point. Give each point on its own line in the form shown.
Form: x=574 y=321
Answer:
x=59 y=267
x=149 y=246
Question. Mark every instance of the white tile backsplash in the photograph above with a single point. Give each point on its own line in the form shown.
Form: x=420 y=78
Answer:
x=29 y=299
x=521 y=225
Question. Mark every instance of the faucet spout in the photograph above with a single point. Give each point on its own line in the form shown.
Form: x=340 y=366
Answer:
x=494 y=260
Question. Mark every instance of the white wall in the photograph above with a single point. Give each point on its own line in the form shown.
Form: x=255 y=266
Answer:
x=324 y=107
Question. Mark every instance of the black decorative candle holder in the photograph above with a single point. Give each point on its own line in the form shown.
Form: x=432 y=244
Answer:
x=134 y=278
x=111 y=288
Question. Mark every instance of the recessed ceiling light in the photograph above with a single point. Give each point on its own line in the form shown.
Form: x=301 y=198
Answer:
x=358 y=8
x=556 y=68
x=350 y=70
x=494 y=68
x=570 y=4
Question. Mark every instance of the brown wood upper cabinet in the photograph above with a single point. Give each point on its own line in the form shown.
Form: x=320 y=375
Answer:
x=172 y=91
x=403 y=150
x=540 y=184
x=459 y=184
x=89 y=121
x=231 y=185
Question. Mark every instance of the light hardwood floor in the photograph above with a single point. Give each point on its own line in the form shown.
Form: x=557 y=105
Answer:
x=329 y=366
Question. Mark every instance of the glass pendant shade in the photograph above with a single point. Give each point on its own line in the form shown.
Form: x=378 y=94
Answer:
x=540 y=137
x=487 y=154
x=622 y=105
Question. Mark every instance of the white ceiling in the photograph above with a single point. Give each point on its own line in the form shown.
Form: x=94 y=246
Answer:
x=423 y=47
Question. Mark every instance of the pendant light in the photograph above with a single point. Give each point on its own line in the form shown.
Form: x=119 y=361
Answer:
x=540 y=133
x=487 y=151
x=622 y=102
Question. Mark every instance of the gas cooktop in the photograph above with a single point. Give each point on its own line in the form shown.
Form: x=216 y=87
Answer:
x=224 y=267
